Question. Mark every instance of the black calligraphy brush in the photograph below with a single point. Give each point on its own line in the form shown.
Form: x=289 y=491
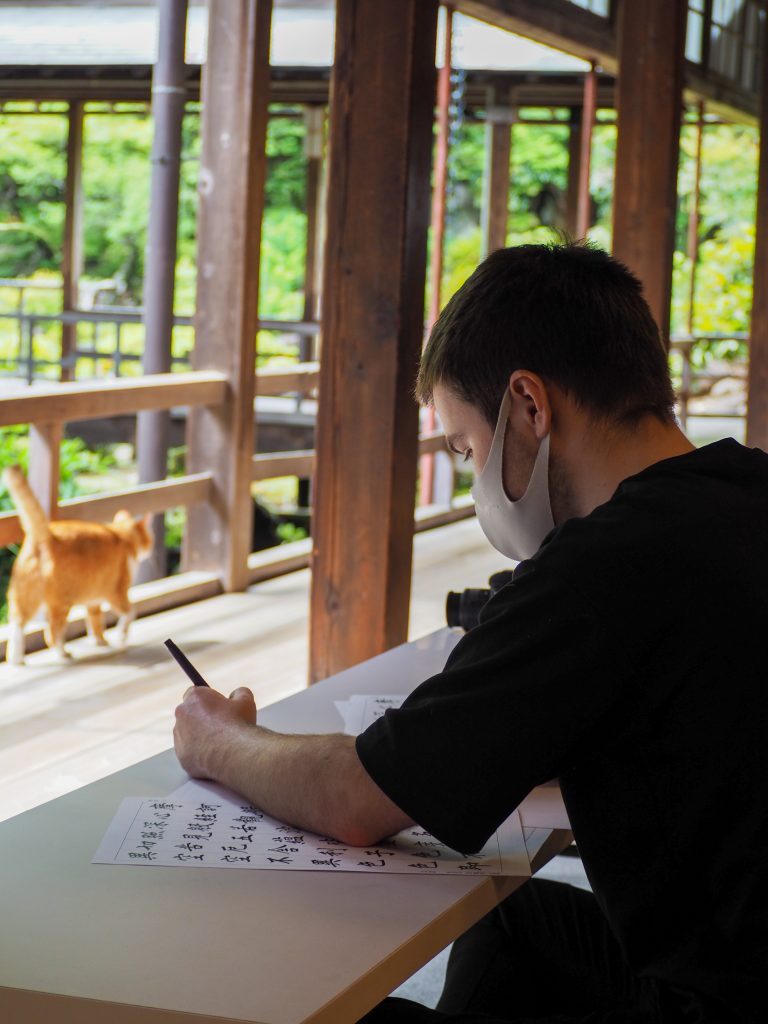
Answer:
x=185 y=664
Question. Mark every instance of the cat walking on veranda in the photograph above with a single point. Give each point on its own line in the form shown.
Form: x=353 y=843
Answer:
x=69 y=562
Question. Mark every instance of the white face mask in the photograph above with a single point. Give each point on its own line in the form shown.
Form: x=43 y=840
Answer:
x=515 y=528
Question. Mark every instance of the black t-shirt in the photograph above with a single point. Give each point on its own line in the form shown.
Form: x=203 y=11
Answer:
x=627 y=659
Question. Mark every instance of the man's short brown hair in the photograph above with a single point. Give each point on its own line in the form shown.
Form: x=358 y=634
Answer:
x=570 y=313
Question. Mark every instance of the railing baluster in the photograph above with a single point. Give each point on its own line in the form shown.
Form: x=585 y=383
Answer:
x=44 y=452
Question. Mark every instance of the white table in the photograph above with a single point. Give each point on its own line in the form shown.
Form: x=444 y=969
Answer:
x=102 y=944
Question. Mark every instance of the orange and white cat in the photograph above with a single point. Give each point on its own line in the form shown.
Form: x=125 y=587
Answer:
x=69 y=562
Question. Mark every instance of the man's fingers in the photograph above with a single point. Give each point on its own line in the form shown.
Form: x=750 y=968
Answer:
x=245 y=704
x=242 y=693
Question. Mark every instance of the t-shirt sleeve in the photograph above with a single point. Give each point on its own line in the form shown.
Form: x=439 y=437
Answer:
x=523 y=696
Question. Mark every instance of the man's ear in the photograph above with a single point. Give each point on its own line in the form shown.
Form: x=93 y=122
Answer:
x=530 y=404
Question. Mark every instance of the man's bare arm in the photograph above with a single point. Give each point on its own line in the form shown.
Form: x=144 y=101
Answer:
x=313 y=782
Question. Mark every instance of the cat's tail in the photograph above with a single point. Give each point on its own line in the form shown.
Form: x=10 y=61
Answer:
x=32 y=517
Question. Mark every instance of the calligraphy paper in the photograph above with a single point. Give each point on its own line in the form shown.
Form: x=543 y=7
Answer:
x=224 y=831
x=361 y=710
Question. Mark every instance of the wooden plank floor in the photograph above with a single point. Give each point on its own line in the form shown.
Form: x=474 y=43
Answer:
x=62 y=726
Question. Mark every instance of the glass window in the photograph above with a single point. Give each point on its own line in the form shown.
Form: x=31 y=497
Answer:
x=694 y=35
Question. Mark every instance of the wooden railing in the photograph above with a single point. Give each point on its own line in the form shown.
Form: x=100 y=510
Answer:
x=697 y=383
x=46 y=408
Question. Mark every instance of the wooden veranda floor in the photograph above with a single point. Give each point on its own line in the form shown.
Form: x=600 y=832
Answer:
x=62 y=726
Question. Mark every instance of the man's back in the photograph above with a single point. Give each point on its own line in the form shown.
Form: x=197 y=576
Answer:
x=625 y=658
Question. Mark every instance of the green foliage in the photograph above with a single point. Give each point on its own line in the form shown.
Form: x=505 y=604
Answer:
x=32 y=169
x=289 y=532
x=116 y=199
x=116 y=182
x=281 y=294
x=286 y=179
x=727 y=235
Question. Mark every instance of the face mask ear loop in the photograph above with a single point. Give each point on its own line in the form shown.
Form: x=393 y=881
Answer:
x=496 y=453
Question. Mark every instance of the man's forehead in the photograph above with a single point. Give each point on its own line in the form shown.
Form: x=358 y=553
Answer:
x=457 y=415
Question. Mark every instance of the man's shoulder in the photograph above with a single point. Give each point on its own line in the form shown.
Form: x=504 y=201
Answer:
x=663 y=530
x=682 y=493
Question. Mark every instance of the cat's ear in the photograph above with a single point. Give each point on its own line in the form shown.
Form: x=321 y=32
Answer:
x=123 y=518
x=147 y=520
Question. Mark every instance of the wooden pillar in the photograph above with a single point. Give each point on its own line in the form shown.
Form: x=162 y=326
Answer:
x=574 y=168
x=694 y=218
x=437 y=229
x=382 y=97
x=43 y=473
x=72 y=250
x=583 y=193
x=232 y=172
x=168 y=100
x=651 y=43
x=314 y=127
x=757 y=384
x=498 y=150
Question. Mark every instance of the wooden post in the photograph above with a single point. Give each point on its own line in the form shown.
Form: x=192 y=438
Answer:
x=757 y=383
x=314 y=137
x=43 y=472
x=168 y=99
x=314 y=122
x=437 y=225
x=373 y=313
x=584 y=195
x=694 y=218
x=574 y=170
x=499 y=119
x=72 y=250
x=232 y=171
x=649 y=101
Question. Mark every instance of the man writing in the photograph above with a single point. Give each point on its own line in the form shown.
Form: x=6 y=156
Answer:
x=625 y=659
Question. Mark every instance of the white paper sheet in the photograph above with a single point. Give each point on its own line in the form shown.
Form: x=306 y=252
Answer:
x=207 y=826
x=360 y=710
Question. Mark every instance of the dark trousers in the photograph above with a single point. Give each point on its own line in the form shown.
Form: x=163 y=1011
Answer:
x=545 y=954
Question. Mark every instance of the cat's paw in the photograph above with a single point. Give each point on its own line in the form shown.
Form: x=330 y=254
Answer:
x=63 y=655
x=100 y=641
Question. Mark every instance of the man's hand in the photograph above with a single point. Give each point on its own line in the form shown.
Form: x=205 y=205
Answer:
x=313 y=782
x=206 y=722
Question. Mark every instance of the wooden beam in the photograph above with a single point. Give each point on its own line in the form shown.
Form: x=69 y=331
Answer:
x=584 y=194
x=725 y=99
x=232 y=172
x=72 y=245
x=574 y=171
x=557 y=23
x=43 y=473
x=651 y=51
x=94 y=400
x=301 y=463
x=182 y=491
x=429 y=517
x=500 y=117
x=757 y=383
x=437 y=226
x=378 y=215
x=268 y=466
x=314 y=137
x=280 y=380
